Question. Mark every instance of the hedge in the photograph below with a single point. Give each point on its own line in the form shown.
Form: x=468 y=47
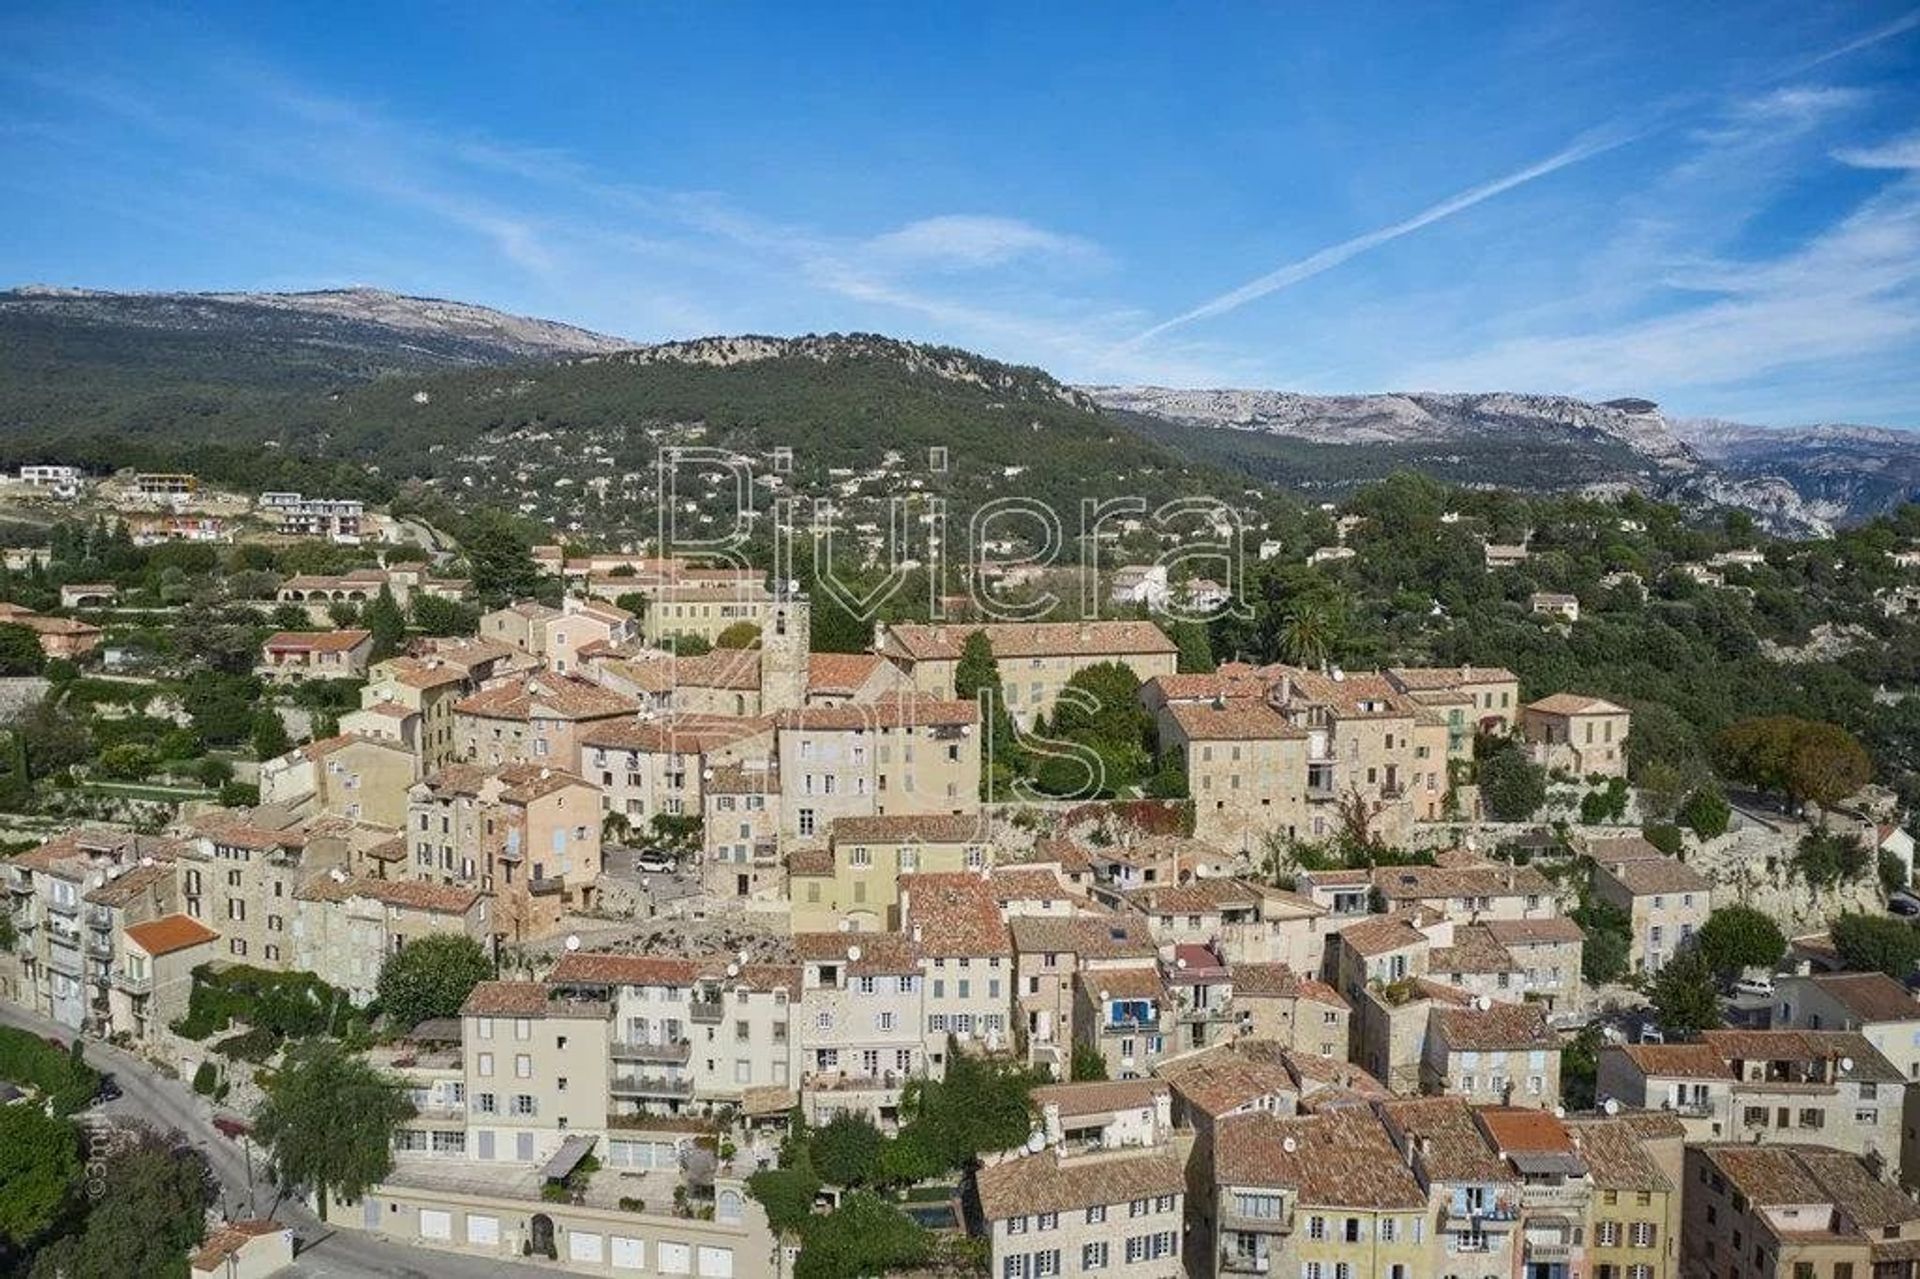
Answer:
x=27 y=1059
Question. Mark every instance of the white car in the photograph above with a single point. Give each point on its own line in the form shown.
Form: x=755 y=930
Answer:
x=654 y=862
x=1761 y=987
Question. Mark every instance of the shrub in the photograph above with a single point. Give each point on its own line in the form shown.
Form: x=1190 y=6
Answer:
x=67 y=1081
x=1665 y=837
x=206 y=1079
x=1706 y=812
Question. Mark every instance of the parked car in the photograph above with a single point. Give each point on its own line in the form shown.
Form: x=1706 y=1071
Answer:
x=653 y=861
x=233 y=1128
x=1651 y=1034
x=109 y=1089
x=56 y=1042
x=1759 y=987
x=1901 y=904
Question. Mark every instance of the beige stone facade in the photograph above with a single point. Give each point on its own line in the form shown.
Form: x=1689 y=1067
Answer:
x=1035 y=659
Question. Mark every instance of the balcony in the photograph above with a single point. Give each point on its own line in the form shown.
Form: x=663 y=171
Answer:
x=649 y=1086
x=133 y=983
x=68 y=909
x=1239 y=1263
x=19 y=879
x=64 y=962
x=674 y=1052
x=1131 y=1023
x=707 y=1012
x=1549 y=1252
x=100 y=917
x=100 y=946
x=546 y=885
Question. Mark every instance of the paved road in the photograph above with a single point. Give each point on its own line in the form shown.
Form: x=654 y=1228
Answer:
x=170 y=1105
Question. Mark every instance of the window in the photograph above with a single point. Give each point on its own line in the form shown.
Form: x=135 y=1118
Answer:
x=1048 y=1221
x=1643 y=1234
x=1316 y=1227
x=1607 y=1234
x=1093 y=1256
x=486 y=1064
x=1016 y=1225
x=1096 y=1215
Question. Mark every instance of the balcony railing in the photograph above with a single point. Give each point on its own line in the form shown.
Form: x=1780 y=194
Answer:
x=133 y=983
x=707 y=1011
x=59 y=907
x=1118 y=1025
x=99 y=946
x=1238 y=1263
x=676 y=1051
x=99 y=917
x=546 y=885
x=64 y=962
x=650 y=1086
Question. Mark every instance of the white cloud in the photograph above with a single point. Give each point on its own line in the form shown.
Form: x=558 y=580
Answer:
x=964 y=241
x=1900 y=153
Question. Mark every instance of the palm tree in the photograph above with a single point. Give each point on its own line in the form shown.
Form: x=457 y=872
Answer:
x=1307 y=633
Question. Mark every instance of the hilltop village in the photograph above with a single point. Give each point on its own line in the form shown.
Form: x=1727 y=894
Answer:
x=672 y=943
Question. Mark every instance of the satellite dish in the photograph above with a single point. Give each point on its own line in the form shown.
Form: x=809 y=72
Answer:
x=1559 y=1112
x=733 y=970
x=793 y=586
x=1482 y=1003
x=1846 y=1063
x=1036 y=1142
x=1104 y=996
x=146 y=861
x=1180 y=963
x=1289 y=1145
x=742 y=956
x=845 y=925
x=853 y=954
x=1611 y=1105
x=98 y=880
x=573 y=942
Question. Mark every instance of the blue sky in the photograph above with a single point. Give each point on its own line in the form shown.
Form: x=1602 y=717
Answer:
x=1714 y=206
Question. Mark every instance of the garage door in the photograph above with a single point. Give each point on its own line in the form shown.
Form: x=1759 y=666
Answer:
x=629 y=1254
x=716 y=1263
x=485 y=1230
x=582 y=1246
x=435 y=1224
x=675 y=1259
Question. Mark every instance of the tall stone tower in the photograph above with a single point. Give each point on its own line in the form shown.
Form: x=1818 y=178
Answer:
x=783 y=651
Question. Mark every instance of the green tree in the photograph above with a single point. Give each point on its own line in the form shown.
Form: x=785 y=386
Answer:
x=270 y=740
x=1580 y=1069
x=20 y=650
x=1195 y=650
x=53 y=738
x=786 y=1193
x=846 y=1151
x=1608 y=941
x=1309 y=632
x=499 y=560
x=976 y=678
x=388 y=624
x=1809 y=761
x=1706 y=813
x=1737 y=937
x=328 y=1120
x=39 y=1165
x=1088 y=1063
x=1683 y=996
x=983 y=1104
x=738 y=635
x=1100 y=709
x=431 y=978
x=1825 y=858
x=435 y=616
x=865 y=1235
x=1876 y=943
x=1512 y=786
x=147 y=1216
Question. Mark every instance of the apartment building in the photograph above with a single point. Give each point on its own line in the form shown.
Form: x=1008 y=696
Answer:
x=1824 y=1087
x=1666 y=901
x=741 y=831
x=1094 y=1115
x=152 y=982
x=1873 y=1004
x=651 y=768
x=539 y=717
x=527 y=835
x=1126 y=1016
x=358 y=778
x=1473 y=1195
x=861 y=1033
x=1245 y=767
x=411 y=700
x=1320 y=1197
x=240 y=876
x=1510 y=959
x=705 y=610
x=1492 y=695
x=1794 y=1210
x=1469 y=893
x=1247 y=921
x=318 y=592
x=1634 y=1214
x=133 y=893
x=899 y=755
x=521 y=624
x=1499 y=1054
x=1556 y=1188
x=291 y=656
x=1273 y=1002
x=685 y=1031
x=336 y=519
x=1049 y=953
x=1052 y=1213
x=857 y=883
x=965 y=952
x=345 y=927
x=582 y=624
x=1578 y=735
x=1035 y=659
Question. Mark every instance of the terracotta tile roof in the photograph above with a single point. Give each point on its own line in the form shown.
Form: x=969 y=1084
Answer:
x=1616 y=1156
x=843 y=674
x=1086 y=936
x=1675 y=1061
x=1425 y=883
x=129 y=885
x=1776 y=1176
x=1122 y=983
x=1575 y=704
x=1649 y=878
x=1030 y=639
x=421 y=672
x=1425 y=678
x=1869 y=1064
x=545 y=694
x=810 y=861
x=1624 y=848
x=1869 y=1202
x=1195 y=897
x=735 y=669
x=1869 y=997
x=1216 y=1081
x=1341 y=1159
x=674 y=735
x=1102 y=1096
x=1277 y=981
x=1474 y=950
x=1229 y=682
x=1379 y=934
x=1356 y=695
x=403 y=894
x=1524 y=1131
x=506 y=999
x=316 y=641
x=1044 y=1183
x=524 y=783
x=1241 y=719
x=902 y=709
x=1071 y=857
x=901 y=828
x=881 y=954
x=227 y=832
x=226 y=1240
x=169 y=933
x=1498 y=1028
x=1558 y=930
x=590 y=969
x=953 y=915
x=1447 y=1141
x=742 y=779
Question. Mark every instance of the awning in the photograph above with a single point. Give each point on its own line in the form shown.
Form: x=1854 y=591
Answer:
x=567 y=1158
